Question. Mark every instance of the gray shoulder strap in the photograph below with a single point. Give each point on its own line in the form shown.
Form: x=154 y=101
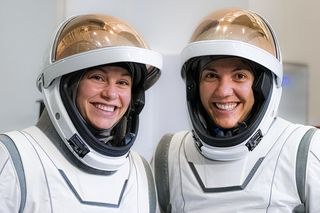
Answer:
x=151 y=186
x=162 y=173
x=301 y=164
x=17 y=162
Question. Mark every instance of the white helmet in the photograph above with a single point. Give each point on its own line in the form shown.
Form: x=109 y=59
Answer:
x=86 y=41
x=239 y=33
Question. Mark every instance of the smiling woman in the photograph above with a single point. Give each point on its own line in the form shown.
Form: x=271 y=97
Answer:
x=226 y=91
x=79 y=154
x=238 y=151
x=104 y=95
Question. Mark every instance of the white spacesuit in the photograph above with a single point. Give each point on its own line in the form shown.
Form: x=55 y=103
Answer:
x=62 y=163
x=266 y=164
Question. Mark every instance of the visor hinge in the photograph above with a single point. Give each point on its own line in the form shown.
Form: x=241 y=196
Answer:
x=40 y=82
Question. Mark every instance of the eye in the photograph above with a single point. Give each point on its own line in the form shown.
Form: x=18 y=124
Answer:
x=243 y=75
x=96 y=77
x=208 y=75
x=240 y=76
x=124 y=83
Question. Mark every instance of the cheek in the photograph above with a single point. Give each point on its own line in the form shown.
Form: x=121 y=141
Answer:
x=248 y=97
x=83 y=94
x=251 y=99
x=125 y=98
x=246 y=90
x=87 y=90
x=205 y=93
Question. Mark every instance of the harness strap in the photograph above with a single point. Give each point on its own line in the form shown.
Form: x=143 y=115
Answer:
x=162 y=173
x=301 y=165
x=151 y=186
x=17 y=162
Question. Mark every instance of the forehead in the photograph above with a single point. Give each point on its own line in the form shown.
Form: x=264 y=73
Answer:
x=230 y=62
x=110 y=69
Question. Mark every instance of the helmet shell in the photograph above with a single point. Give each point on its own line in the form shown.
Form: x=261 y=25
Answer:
x=86 y=41
x=233 y=32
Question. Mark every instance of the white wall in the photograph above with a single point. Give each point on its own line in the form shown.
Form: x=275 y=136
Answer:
x=297 y=26
x=26 y=27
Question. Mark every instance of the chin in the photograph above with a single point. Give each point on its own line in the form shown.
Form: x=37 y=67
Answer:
x=102 y=126
x=228 y=126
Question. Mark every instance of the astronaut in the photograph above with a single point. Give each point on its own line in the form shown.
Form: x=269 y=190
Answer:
x=78 y=156
x=239 y=156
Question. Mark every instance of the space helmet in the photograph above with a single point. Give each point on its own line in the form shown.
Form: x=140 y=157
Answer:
x=87 y=41
x=233 y=32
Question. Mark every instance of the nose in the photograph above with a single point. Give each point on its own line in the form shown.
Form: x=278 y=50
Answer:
x=110 y=92
x=224 y=88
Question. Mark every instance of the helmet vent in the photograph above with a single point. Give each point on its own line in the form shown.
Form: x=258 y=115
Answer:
x=254 y=140
x=78 y=146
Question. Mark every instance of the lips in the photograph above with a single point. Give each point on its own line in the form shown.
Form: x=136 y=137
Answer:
x=107 y=108
x=226 y=106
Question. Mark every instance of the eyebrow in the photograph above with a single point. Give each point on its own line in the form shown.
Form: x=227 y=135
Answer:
x=123 y=72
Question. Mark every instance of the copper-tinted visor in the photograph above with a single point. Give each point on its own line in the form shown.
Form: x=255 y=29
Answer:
x=239 y=25
x=89 y=32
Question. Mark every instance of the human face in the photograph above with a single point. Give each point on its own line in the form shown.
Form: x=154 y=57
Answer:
x=226 y=91
x=104 y=95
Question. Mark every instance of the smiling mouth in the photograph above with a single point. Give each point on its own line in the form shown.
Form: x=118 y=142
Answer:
x=107 y=108
x=226 y=106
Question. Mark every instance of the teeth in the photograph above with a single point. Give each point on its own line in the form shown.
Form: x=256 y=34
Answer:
x=226 y=106
x=105 y=107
